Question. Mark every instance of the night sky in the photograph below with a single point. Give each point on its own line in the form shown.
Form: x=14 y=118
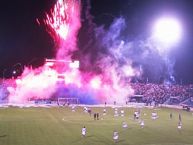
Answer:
x=23 y=41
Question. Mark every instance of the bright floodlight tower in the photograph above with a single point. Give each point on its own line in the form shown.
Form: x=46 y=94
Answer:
x=167 y=32
x=166 y=35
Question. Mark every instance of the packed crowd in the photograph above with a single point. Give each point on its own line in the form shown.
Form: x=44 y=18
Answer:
x=161 y=92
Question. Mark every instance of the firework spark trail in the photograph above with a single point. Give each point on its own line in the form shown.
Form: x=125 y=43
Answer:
x=64 y=21
x=59 y=20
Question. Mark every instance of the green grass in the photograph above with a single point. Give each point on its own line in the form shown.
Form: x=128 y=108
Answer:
x=61 y=126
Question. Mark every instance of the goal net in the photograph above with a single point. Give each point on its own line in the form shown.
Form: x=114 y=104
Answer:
x=67 y=101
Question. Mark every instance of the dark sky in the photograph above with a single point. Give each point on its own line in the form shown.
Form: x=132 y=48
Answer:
x=22 y=40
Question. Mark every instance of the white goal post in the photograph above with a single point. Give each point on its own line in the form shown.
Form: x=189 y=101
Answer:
x=67 y=101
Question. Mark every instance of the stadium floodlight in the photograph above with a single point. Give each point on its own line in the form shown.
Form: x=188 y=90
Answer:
x=14 y=72
x=167 y=30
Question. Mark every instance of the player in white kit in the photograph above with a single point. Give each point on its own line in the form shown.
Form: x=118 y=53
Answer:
x=142 y=124
x=179 y=125
x=84 y=131
x=115 y=136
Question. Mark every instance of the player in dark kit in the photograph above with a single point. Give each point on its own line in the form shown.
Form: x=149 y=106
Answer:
x=95 y=116
x=180 y=118
x=171 y=115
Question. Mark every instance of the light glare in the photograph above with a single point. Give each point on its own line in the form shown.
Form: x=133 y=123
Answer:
x=167 y=30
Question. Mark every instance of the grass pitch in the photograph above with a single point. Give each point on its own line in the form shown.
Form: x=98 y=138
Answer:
x=61 y=126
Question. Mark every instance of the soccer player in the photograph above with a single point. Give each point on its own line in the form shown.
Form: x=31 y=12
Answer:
x=84 y=131
x=94 y=116
x=134 y=116
x=154 y=115
x=97 y=115
x=73 y=108
x=104 y=111
x=142 y=124
x=124 y=125
x=170 y=115
x=89 y=111
x=122 y=113
x=137 y=115
x=116 y=112
x=180 y=118
x=115 y=136
x=179 y=125
x=85 y=109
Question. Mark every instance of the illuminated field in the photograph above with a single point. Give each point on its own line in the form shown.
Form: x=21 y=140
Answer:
x=61 y=126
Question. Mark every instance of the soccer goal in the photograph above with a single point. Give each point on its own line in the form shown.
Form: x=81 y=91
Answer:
x=67 y=101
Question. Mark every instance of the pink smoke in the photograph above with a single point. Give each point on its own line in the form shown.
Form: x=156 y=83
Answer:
x=63 y=23
x=33 y=84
